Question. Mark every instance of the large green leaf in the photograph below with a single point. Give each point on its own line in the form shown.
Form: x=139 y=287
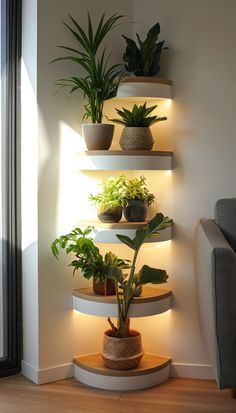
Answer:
x=126 y=240
x=151 y=275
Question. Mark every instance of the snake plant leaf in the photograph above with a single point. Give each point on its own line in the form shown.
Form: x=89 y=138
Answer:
x=132 y=57
x=151 y=275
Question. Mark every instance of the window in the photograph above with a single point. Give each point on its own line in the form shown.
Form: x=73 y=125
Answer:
x=10 y=280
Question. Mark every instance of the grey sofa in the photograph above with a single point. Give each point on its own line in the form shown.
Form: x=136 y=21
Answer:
x=215 y=269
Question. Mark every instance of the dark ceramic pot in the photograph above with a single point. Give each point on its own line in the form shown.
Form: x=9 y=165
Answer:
x=135 y=211
x=104 y=287
x=110 y=215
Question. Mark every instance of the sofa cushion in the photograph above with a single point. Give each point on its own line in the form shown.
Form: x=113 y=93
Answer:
x=225 y=217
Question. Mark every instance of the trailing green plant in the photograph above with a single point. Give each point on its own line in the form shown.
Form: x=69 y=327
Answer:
x=144 y=59
x=117 y=191
x=130 y=285
x=110 y=196
x=138 y=116
x=101 y=80
x=87 y=254
x=136 y=188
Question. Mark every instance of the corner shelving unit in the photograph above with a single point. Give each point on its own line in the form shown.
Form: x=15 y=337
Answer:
x=125 y=160
x=153 y=369
x=143 y=88
x=106 y=233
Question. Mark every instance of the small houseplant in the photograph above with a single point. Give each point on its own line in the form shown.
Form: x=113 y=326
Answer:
x=136 y=199
x=100 y=80
x=88 y=259
x=144 y=59
x=109 y=200
x=117 y=192
x=122 y=348
x=136 y=133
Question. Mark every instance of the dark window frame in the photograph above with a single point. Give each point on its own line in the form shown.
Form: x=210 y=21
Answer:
x=10 y=363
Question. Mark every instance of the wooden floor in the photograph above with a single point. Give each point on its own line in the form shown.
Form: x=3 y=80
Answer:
x=18 y=395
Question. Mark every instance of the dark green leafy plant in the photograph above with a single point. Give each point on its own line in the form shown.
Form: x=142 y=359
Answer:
x=138 y=116
x=130 y=285
x=101 y=80
x=88 y=258
x=145 y=59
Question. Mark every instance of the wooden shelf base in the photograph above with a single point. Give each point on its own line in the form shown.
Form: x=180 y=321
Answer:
x=153 y=370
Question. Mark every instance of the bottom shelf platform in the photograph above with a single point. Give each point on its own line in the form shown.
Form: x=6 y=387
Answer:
x=153 y=370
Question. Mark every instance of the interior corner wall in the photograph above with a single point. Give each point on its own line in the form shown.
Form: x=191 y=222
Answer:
x=201 y=63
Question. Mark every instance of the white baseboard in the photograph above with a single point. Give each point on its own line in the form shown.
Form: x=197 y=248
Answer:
x=50 y=374
x=192 y=371
x=65 y=371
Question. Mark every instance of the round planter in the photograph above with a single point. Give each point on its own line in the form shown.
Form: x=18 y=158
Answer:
x=106 y=287
x=133 y=138
x=98 y=136
x=135 y=211
x=110 y=215
x=122 y=353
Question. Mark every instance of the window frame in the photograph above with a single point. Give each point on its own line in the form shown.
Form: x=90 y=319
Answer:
x=10 y=363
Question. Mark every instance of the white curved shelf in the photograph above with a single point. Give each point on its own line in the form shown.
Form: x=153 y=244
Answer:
x=153 y=370
x=152 y=301
x=143 y=88
x=106 y=233
x=125 y=160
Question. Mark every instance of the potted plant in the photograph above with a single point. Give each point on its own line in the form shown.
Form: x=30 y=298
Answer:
x=136 y=133
x=109 y=200
x=122 y=348
x=136 y=199
x=100 y=81
x=88 y=259
x=144 y=59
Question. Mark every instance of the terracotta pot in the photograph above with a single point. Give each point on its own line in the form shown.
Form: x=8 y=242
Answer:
x=106 y=287
x=135 y=211
x=98 y=136
x=122 y=353
x=110 y=215
x=133 y=138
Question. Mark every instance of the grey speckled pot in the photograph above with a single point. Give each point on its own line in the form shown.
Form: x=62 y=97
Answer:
x=136 y=138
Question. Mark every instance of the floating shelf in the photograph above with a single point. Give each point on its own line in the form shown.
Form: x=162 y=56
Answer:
x=143 y=88
x=152 y=301
x=125 y=160
x=153 y=370
x=106 y=233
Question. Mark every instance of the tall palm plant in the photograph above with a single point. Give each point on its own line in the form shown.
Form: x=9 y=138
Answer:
x=101 y=79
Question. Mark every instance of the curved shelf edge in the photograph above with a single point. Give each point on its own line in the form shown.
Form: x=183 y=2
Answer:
x=125 y=160
x=106 y=233
x=140 y=88
x=153 y=370
x=153 y=301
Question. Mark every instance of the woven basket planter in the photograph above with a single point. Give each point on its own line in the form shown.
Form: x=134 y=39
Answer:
x=122 y=353
x=136 y=138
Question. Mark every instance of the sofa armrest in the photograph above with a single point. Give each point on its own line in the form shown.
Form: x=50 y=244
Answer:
x=215 y=268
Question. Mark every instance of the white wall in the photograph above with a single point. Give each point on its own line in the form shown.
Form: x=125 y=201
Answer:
x=201 y=62
x=199 y=130
x=51 y=139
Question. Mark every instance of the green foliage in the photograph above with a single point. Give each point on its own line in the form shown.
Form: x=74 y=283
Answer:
x=101 y=80
x=88 y=258
x=144 y=59
x=131 y=285
x=138 y=116
x=110 y=195
x=117 y=191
